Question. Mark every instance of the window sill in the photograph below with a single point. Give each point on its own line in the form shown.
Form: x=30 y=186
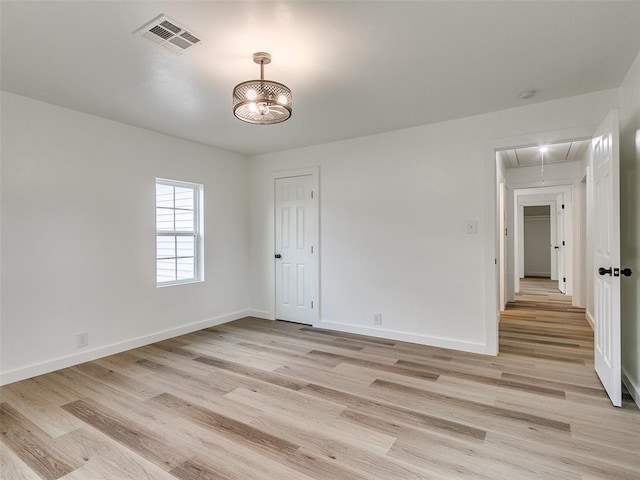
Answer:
x=178 y=282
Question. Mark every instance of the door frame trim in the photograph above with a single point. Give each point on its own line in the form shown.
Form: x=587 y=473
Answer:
x=518 y=221
x=490 y=216
x=314 y=172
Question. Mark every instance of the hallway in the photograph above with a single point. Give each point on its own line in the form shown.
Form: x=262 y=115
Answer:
x=542 y=324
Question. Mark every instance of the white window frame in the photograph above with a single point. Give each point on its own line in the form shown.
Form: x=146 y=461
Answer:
x=197 y=233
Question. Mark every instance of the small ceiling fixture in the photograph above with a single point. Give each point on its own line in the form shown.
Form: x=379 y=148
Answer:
x=542 y=152
x=169 y=34
x=262 y=102
x=526 y=95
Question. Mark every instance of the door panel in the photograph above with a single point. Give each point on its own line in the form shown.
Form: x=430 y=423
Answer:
x=296 y=230
x=606 y=187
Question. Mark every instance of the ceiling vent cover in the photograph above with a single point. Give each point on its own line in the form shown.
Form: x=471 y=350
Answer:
x=169 y=34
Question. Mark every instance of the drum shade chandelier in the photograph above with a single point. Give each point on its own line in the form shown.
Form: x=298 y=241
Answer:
x=262 y=102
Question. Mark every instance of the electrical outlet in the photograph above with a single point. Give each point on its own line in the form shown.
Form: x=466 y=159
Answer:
x=82 y=339
x=377 y=318
x=472 y=227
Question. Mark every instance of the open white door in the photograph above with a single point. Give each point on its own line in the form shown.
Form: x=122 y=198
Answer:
x=296 y=217
x=606 y=236
x=560 y=245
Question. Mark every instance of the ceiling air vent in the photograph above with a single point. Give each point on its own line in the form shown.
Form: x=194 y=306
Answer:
x=169 y=34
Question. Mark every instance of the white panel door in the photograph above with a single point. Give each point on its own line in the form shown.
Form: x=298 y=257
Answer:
x=296 y=217
x=606 y=233
x=560 y=244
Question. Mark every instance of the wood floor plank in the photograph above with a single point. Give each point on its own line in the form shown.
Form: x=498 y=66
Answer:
x=251 y=372
x=13 y=468
x=564 y=386
x=496 y=382
x=50 y=418
x=322 y=376
x=327 y=445
x=117 y=399
x=105 y=459
x=117 y=380
x=238 y=430
x=46 y=389
x=365 y=439
x=32 y=446
x=194 y=470
x=417 y=373
x=476 y=407
x=237 y=460
x=132 y=436
x=395 y=412
x=285 y=402
x=556 y=458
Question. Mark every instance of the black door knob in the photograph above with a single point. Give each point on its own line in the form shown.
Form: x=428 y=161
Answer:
x=626 y=272
x=278 y=255
x=604 y=271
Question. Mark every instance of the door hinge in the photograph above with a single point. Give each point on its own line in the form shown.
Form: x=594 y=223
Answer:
x=563 y=206
x=311 y=303
x=312 y=194
x=495 y=261
x=564 y=279
x=563 y=243
x=311 y=248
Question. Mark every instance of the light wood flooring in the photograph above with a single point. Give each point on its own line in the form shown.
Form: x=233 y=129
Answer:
x=261 y=400
x=539 y=286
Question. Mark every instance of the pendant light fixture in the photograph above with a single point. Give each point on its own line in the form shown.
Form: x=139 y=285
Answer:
x=542 y=151
x=262 y=102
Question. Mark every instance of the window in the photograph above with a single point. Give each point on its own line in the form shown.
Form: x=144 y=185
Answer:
x=178 y=232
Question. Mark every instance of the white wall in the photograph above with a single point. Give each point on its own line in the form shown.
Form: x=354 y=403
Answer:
x=537 y=239
x=630 y=222
x=581 y=270
x=393 y=211
x=78 y=237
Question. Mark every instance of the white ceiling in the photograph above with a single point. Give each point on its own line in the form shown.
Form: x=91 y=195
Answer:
x=355 y=68
x=556 y=153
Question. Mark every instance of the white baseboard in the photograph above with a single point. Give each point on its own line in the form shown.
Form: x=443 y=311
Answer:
x=405 y=337
x=88 y=355
x=590 y=320
x=634 y=389
x=538 y=274
x=260 y=314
